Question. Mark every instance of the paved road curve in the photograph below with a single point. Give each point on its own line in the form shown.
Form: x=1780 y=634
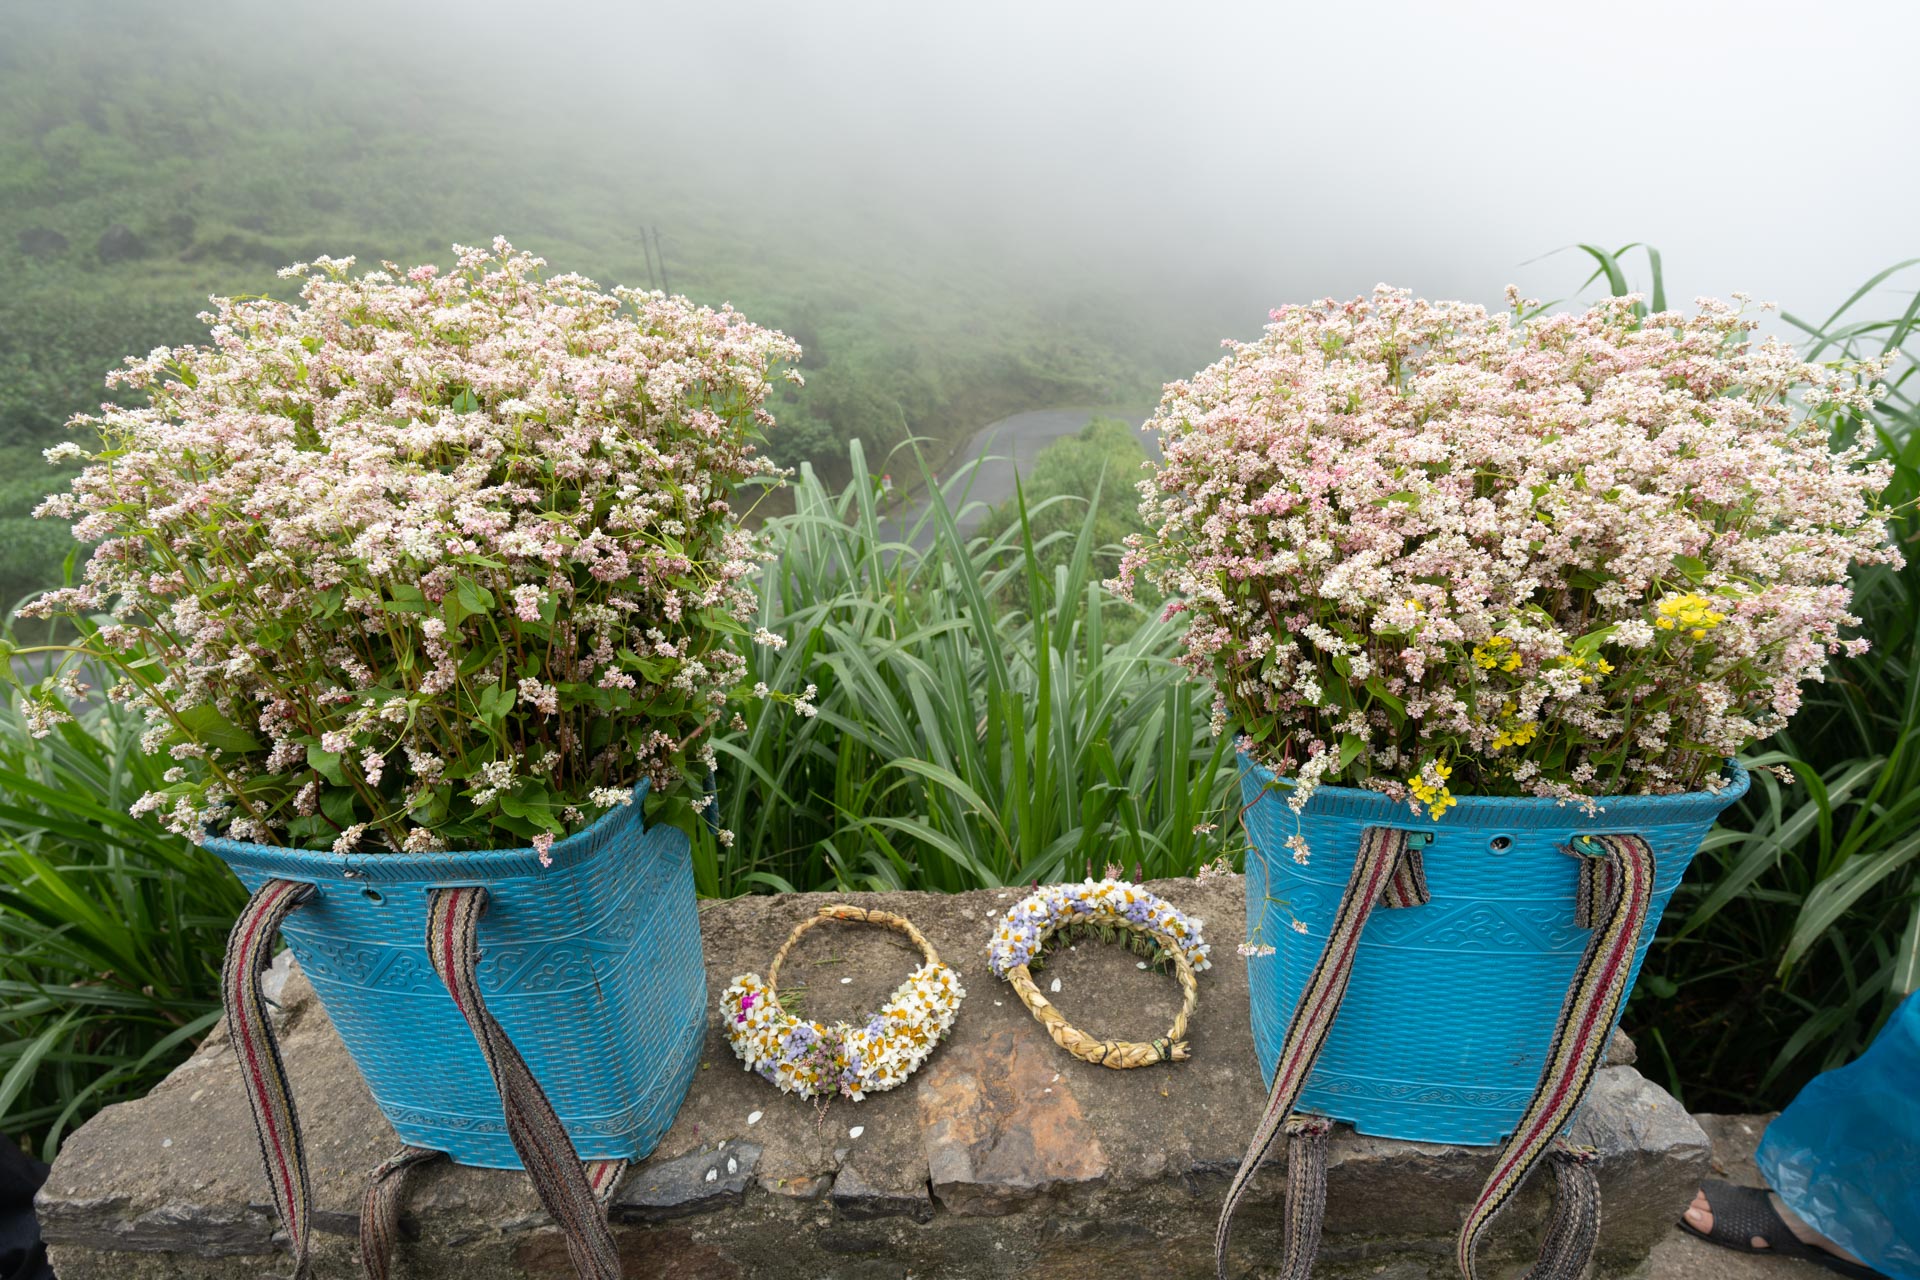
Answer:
x=1002 y=447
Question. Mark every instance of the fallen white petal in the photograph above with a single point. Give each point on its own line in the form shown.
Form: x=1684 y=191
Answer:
x=845 y=981
x=1056 y=983
x=712 y=1174
x=754 y=1118
x=733 y=1166
x=856 y=1131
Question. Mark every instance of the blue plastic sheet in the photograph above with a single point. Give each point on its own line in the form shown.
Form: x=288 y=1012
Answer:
x=1845 y=1155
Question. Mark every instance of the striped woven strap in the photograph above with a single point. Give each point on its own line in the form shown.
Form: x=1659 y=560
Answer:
x=558 y=1177
x=380 y=1209
x=1616 y=891
x=1306 y=1194
x=275 y=1123
x=387 y=1192
x=1381 y=851
x=1574 y=1227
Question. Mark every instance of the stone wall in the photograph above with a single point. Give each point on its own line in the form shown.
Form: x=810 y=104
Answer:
x=1003 y=1156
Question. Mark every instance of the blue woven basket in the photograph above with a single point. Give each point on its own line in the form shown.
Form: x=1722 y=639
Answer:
x=592 y=965
x=1451 y=1007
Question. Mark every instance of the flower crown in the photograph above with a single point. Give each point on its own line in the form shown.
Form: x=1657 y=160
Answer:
x=1034 y=918
x=851 y=1059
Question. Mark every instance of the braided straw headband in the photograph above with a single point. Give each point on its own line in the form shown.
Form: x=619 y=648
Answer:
x=811 y=1059
x=1119 y=905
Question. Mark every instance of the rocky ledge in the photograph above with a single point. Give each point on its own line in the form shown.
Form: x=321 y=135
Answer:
x=1003 y=1156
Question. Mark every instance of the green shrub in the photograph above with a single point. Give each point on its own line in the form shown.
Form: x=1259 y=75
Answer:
x=1797 y=930
x=111 y=930
x=984 y=719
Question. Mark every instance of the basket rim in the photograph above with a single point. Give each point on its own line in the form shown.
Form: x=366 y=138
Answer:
x=1474 y=811
x=443 y=866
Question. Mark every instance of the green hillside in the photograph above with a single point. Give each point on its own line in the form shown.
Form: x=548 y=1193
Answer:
x=141 y=172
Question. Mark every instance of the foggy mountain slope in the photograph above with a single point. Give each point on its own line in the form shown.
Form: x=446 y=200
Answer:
x=962 y=213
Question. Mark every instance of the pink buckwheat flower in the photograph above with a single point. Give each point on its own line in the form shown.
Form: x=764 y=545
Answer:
x=1565 y=555
x=334 y=533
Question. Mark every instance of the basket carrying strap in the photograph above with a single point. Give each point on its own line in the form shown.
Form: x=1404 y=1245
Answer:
x=1616 y=886
x=1380 y=852
x=249 y=948
x=573 y=1193
x=387 y=1192
x=1616 y=890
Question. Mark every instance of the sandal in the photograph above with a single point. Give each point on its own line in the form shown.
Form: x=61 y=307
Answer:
x=1741 y=1213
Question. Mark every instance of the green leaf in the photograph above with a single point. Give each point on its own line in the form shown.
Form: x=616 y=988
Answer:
x=471 y=598
x=1906 y=958
x=495 y=701
x=1692 y=566
x=326 y=763
x=30 y=1057
x=1352 y=746
x=1589 y=644
x=339 y=805
x=207 y=725
x=1377 y=689
x=406 y=598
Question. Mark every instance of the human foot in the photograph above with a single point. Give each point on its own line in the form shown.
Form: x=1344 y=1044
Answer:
x=1757 y=1221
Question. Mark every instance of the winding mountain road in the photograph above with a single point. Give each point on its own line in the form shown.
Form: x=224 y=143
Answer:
x=1001 y=449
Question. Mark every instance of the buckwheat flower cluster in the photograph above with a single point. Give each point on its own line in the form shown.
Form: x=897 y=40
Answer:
x=812 y=1059
x=427 y=561
x=1429 y=549
x=1032 y=920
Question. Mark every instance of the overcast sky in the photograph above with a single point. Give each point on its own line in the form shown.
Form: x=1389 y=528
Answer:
x=1252 y=153
x=1291 y=150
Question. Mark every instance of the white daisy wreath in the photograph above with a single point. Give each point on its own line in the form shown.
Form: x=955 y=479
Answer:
x=1109 y=904
x=851 y=1059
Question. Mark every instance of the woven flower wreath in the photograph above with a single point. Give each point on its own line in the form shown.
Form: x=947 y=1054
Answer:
x=851 y=1059
x=1115 y=904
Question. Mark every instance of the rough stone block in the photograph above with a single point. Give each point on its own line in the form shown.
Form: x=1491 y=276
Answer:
x=1003 y=1156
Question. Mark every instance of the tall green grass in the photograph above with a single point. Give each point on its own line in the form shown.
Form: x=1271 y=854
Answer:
x=111 y=930
x=983 y=719
x=1797 y=930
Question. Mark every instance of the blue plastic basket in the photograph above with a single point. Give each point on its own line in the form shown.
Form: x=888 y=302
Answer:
x=591 y=964
x=1451 y=1007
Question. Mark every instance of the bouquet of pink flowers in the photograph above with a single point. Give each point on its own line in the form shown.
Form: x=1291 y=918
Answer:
x=426 y=561
x=1427 y=548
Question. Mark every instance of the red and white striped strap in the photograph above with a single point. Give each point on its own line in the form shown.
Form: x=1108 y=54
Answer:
x=546 y=1152
x=275 y=1123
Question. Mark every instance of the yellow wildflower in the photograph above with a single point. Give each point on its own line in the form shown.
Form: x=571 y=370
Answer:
x=1595 y=666
x=1516 y=735
x=1496 y=651
x=1690 y=612
x=1429 y=787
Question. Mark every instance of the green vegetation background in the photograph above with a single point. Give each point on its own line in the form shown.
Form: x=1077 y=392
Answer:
x=988 y=714
x=141 y=172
